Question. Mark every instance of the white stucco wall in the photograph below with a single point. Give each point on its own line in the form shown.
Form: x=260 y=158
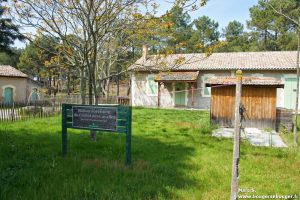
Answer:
x=18 y=85
x=141 y=98
x=22 y=87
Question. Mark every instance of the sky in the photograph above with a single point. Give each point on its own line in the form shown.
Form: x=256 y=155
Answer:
x=222 y=11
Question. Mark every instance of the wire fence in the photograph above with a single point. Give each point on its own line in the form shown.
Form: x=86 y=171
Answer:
x=24 y=110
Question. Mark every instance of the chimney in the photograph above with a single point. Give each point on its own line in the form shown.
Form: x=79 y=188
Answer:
x=145 y=51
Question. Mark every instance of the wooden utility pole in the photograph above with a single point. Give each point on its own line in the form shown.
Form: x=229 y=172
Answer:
x=297 y=90
x=236 y=142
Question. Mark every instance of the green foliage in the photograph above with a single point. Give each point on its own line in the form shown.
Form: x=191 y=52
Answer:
x=206 y=30
x=283 y=129
x=275 y=30
x=10 y=58
x=36 y=54
x=9 y=32
x=30 y=62
x=173 y=158
x=180 y=29
x=233 y=30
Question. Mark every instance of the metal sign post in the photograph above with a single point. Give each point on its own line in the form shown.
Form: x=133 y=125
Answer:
x=110 y=118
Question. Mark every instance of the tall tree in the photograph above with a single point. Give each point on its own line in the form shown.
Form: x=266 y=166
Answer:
x=9 y=32
x=273 y=29
x=10 y=58
x=41 y=60
x=236 y=38
x=36 y=53
x=292 y=14
x=233 y=30
x=92 y=21
x=206 y=33
x=180 y=29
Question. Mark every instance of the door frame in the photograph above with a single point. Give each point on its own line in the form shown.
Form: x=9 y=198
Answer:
x=32 y=91
x=13 y=91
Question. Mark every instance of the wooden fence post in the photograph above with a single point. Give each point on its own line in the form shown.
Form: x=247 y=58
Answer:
x=236 y=143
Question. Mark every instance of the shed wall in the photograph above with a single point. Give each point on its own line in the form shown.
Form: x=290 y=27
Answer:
x=259 y=102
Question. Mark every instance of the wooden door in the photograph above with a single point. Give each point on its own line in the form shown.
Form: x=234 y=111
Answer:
x=290 y=85
x=180 y=94
x=34 y=95
x=8 y=95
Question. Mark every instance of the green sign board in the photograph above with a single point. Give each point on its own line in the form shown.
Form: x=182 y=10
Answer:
x=110 y=118
x=95 y=117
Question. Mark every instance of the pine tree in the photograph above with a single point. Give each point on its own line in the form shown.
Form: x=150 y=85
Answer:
x=9 y=32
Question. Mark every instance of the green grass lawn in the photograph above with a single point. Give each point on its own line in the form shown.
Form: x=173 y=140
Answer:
x=174 y=157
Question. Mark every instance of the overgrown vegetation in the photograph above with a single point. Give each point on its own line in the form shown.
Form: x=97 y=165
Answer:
x=174 y=157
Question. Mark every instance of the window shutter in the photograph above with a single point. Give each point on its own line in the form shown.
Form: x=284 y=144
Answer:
x=207 y=90
x=152 y=85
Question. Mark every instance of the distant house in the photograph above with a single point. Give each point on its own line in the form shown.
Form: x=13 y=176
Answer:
x=178 y=80
x=15 y=86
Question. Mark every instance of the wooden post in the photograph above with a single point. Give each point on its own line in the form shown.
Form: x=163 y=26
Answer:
x=13 y=112
x=236 y=145
x=297 y=90
x=158 y=95
x=64 y=130
x=193 y=100
x=128 y=137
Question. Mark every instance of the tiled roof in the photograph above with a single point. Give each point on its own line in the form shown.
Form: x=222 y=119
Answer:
x=176 y=76
x=269 y=60
x=270 y=81
x=6 y=70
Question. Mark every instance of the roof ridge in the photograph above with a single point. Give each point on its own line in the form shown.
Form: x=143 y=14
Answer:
x=269 y=60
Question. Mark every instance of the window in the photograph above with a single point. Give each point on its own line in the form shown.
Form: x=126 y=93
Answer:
x=152 y=86
x=206 y=90
x=257 y=75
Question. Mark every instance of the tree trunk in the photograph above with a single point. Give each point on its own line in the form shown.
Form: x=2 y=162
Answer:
x=107 y=93
x=90 y=88
x=54 y=86
x=91 y=80
x=82 y=86
x=129 y=86
x=265 y=39
x=118 y=81
x=96 y=91
x=50 y=85
x=68 y=83
x=73 y=84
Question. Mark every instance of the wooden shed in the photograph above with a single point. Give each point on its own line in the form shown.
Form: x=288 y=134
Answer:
x=258 y=98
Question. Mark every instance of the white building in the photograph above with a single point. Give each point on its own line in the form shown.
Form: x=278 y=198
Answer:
x=179 y=79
